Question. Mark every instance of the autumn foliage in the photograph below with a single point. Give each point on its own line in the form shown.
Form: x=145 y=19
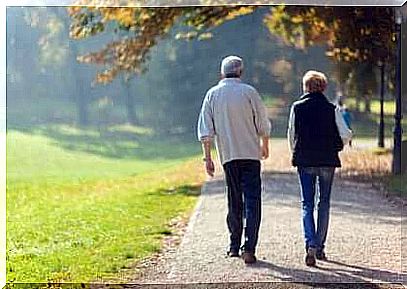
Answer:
x=145 y=27
x=364 y=34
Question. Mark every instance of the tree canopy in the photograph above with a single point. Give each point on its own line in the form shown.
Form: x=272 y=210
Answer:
x=352 y=34
x=145 y=26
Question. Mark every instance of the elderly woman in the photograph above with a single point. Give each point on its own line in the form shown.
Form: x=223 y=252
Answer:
x=316 y=134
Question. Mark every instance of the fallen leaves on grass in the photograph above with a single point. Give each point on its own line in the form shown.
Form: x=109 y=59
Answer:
x=365 y=164
x=360 y=162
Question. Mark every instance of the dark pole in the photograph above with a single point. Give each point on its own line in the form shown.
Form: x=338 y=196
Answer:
x=397 y=116
x=381 y=124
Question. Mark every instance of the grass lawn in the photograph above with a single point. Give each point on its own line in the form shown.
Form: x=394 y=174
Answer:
x=389 y=106
x=366 y=124
x=79 y=215
x=398 y=184
x=83 y=155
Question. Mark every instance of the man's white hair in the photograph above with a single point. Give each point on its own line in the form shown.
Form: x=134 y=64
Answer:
x=231 y=65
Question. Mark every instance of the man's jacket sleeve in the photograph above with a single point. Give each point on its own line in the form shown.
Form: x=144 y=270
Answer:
x=206 y=127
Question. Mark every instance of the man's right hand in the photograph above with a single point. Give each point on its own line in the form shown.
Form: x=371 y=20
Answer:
x=265 y=147
x=210 y=167
x=264 y=151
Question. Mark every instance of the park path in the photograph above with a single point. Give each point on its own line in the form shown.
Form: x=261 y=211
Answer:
x=366 y=240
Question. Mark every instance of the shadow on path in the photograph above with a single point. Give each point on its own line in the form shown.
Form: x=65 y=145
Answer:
x=377 y=274
x=349 y=198
x=347 y=277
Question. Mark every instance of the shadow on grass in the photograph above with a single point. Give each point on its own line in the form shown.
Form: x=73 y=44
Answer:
x=366 y=124
x=119 y=143
x=397 y=184
x=185 y=190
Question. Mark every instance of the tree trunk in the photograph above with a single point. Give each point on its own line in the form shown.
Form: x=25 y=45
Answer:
x=357 y=108
x=131 y=114
x=80 y=97
x=381 y=122
x=82 y=105
x=367 y=103
x=403 y=67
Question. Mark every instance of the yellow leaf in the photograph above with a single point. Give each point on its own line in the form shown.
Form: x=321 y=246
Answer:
x=297 y=19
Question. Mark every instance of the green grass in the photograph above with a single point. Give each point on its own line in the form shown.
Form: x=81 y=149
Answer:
x=26 y=112
x=389 y=106
x=398 y=184
x=366 y=124
x=38 y=157
x=76 y=215
x=271 y=101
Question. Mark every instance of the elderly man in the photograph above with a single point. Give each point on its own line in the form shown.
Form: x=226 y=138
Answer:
x=316 y=134
x=233 y=114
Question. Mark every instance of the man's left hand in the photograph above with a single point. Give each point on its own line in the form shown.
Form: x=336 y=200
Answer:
x=210 y=167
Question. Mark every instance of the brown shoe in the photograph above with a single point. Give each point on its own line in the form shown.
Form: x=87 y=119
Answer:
x=320 y=255
x=249 y=258
x=310 y=256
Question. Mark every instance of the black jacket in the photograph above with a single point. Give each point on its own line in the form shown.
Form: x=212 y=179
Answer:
x=316 y=140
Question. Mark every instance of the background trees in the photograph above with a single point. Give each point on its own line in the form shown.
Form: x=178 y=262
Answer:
x=364 y=34
x=156 y=64
x=167 y=90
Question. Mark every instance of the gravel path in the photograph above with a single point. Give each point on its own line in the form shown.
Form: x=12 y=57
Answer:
x=366 y=239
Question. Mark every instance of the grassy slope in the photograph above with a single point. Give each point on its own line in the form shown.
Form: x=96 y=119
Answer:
x=398 y=184
x=36 y=158
x=366 y=125
x=74 y=216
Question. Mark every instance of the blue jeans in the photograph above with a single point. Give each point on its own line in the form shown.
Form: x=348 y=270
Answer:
x=308 y=178
x=244 y=201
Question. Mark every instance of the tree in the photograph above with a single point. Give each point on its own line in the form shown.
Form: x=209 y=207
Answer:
x=131 y=115
x=362 y=84
x=364 y=34
x=147 y=26
x=55 y=57
x=358 y=39
x=352 y=34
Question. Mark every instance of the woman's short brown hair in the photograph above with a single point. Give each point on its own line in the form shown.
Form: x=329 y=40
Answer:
x=314 y=81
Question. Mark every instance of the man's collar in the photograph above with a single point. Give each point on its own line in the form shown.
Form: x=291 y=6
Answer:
x=230 y=80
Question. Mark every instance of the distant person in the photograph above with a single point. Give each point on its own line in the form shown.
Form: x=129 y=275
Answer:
x=234 y=115
x=346 y=116
x=316 y=134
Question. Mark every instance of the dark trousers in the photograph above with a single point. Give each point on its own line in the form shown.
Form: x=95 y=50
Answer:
x=244 y=201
